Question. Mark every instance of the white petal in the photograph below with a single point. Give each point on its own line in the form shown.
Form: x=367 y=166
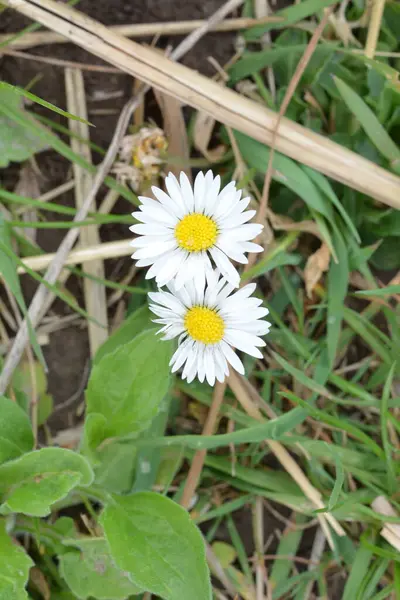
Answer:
x=255 y=327
x=187 y=192
x=191 y=360
x=201 y=369
x=257 y=313
x=199 y=192
x=192 y=372
x=181 y=355
x=160 y=214
x=199 y=278
x=168 y=203
x=173 y=331
x=225 y=266
x=232 y=357
x=150 y=229
x=211 y=196
x=228 y=201
x=236 y=208
x=228 y=222
x=145 y=241
x=168 y=300
x=251 y=247
x=170 y=267
x=164 y=313
x=246 y=232
x=186 y=272
x=221 y=366
x=232 y=251
x=174 y=190
x=144 y=262
x=244 y=341
x=154 y=250
x=209 y=365
x=243 y=293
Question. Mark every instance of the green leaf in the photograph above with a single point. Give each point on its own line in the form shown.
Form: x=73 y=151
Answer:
x=252 y=62
x=271 y=430
x=127 y=386
x=340 y=423
x=277 y=257
x=268 y=264
x=389 y=290
x=137 y=322
x=33 y=482
x=369 y=122
x=324 y=185
x=387 y=255
x=390 y=465
x=7 y=88
x=339 y=481
x=289 y=15
x=286 y=171
x=9 y=272
x=16 y=436
x=14 y=567
x=92 y=572
x=45 y=408
x=288 y=545
x=17 y=143
x=115 y=467
x=147 y=460
x=338 y=279
x=357 y=574
x=301 y=377
x=156 y=541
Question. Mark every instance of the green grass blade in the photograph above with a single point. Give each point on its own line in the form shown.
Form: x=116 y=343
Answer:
x=369 y=122
x=338 y=278
x=8 y=261
x=341 y=424
x=390 y=468
x=21 y=92
x=290 y=15
x=274 y=429
x=389 y=290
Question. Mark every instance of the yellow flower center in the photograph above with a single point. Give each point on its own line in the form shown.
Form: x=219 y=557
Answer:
x=196 y=232
x=204 y=325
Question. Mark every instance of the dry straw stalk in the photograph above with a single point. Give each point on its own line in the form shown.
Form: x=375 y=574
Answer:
x=138 y=30
x=224 y=105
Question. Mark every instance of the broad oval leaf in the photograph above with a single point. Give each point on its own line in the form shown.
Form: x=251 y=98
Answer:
x=155 y=540
x=16 y=436
x=137 y=322
x=127 y=386
x=33 y=482
x=14 y=567
x=91 y=572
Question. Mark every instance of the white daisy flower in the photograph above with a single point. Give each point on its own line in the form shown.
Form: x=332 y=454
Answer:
x=210 y=321
x=183 y=229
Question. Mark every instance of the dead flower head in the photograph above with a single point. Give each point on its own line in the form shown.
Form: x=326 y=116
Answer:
x=140 y=157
